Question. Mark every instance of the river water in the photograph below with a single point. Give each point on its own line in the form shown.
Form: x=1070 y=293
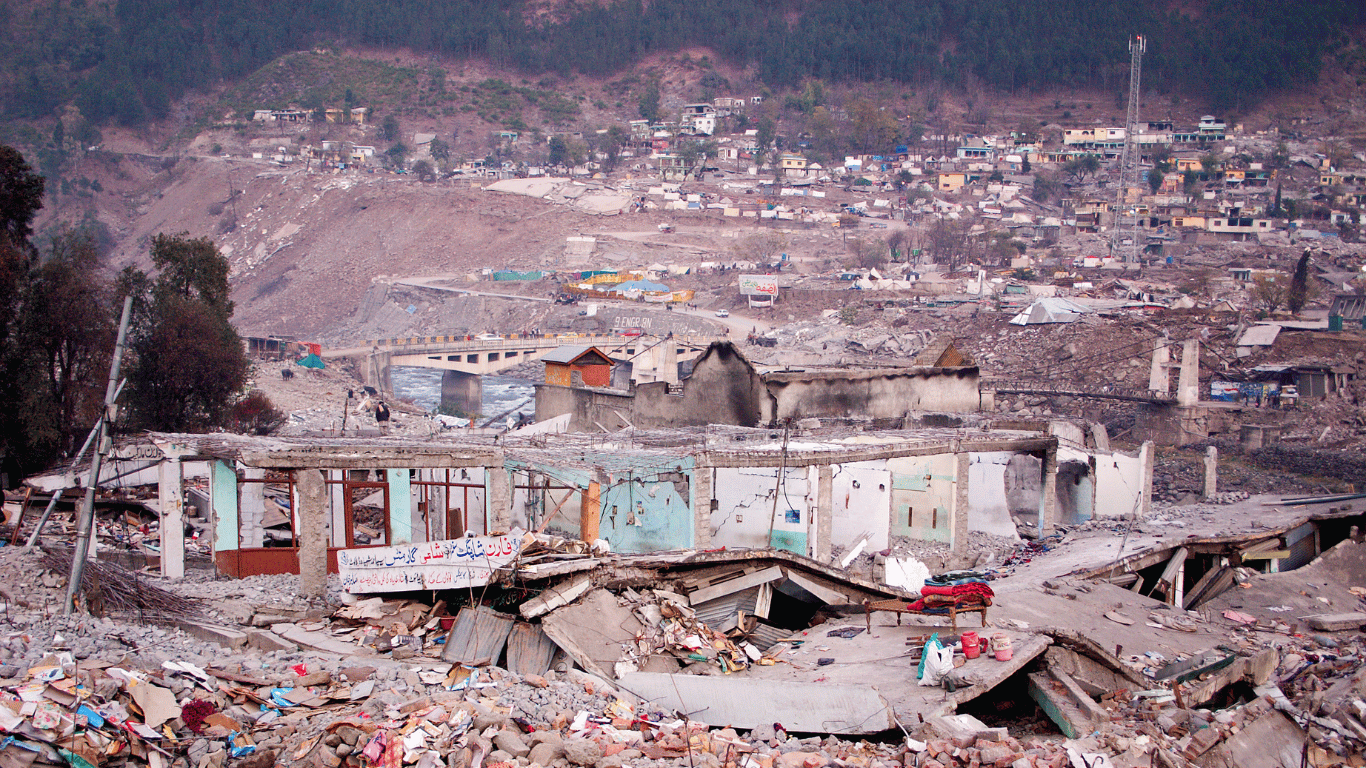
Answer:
x=423 y=387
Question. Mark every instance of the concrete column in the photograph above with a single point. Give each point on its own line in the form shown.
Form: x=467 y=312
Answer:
x=1048 y=495
x=1158 y=378
x=462 y=392
x=171 y=495
x=312 y=533
x=1100 y=437
x=958 y=531
x=701 y=506
x=669 y=365
x=1211 y=471
x=825 y=511
x=499 y=498
x=589 y=515
x=1188 y=386
x=1146 y=455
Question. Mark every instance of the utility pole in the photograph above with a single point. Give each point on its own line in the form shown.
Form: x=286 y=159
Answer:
x=86 y=519
x=1126 y=221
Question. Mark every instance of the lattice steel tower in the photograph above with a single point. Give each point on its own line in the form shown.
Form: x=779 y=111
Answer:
x=1126 y=217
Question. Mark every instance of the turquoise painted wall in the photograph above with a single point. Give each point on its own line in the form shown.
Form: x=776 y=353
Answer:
x=647 y=516
x=223 y=481
x=400 y=506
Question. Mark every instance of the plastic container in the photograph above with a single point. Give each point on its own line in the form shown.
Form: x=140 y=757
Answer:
x=972 y=646
x=1000 y=645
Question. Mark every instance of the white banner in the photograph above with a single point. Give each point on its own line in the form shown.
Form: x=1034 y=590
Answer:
x=446 y=564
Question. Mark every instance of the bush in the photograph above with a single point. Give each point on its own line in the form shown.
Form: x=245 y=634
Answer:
x=256 y=415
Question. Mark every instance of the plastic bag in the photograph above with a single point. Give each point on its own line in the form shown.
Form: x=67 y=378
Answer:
x=935 y=662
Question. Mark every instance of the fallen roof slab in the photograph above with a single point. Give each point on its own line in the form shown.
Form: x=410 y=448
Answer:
x=745 y=702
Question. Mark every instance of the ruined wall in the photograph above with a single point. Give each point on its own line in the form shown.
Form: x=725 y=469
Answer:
x=723 y=389
x=745 y=507
x=988 y=503
x=923 y=491
x=649 y=513
x=1119 y=484
x=861 y=498
x=873 y=394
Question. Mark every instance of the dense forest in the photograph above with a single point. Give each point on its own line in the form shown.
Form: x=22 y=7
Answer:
x=126 y=60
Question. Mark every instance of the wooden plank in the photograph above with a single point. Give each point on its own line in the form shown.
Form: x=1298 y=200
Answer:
x=1216 y=587
x=530 y=650
x=557 y=595
x=772 y=573
x=1274 y=554
x=828 y=596
x=1189 y=601
x=1167 y=580
x=477 y=636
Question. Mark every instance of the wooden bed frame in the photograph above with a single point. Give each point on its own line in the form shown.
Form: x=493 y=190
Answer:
x=899 y=607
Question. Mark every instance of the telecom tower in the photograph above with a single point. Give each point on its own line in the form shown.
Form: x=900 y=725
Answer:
x=1126 y=218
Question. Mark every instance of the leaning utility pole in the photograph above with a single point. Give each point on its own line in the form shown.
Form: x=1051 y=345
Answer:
x=86 y=519
x=1126 y=219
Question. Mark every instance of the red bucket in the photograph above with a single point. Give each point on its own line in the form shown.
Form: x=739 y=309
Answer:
x=972 y=646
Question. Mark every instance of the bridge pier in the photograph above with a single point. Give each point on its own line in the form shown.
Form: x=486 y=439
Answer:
x=377 y=371
x=462 y=392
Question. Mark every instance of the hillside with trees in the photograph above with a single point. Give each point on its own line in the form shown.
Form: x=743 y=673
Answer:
x=127 y=61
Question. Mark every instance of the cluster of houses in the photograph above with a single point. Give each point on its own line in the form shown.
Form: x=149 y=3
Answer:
x=944 y=176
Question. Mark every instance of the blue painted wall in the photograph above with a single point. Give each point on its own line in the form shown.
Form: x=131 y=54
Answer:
x=400 y=506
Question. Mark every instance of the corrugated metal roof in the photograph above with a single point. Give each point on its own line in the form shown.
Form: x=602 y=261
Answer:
x=570 y=353
x=716 y=613
x=478 y=633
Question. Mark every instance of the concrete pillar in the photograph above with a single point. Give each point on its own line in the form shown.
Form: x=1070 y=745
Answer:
x=701 y=506
x=462 y=392
x=825 y=511
x=1158 y=378
x=589 y=512
x=669 y=365
x=958 y=530
x=312 y=533
x=1146 y=456
x=1188 y=386
x=171 y=495
x=1048 y=494
x=1211 y=471
x=1100 y=437
x=499 y=498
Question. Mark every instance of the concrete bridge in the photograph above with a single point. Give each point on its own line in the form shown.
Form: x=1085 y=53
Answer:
x=465 y=358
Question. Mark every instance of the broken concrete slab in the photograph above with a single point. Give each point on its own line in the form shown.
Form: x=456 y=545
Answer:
x=267 y=642
x=592 y=631
x=746 y=702
x=1271 y=741
x=1055 y=700
x=213 y=633
x=1336 y=622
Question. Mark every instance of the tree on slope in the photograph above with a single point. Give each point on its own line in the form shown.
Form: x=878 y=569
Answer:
x=188 y=366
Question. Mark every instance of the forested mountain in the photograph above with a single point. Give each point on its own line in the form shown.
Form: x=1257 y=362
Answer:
x=126 y=60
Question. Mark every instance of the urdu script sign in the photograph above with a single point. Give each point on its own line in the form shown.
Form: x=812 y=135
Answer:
x=446 y=564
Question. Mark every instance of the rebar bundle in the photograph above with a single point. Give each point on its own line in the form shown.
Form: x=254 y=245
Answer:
x=109 y=589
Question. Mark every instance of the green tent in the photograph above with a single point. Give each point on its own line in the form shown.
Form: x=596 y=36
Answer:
x=312 y=361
